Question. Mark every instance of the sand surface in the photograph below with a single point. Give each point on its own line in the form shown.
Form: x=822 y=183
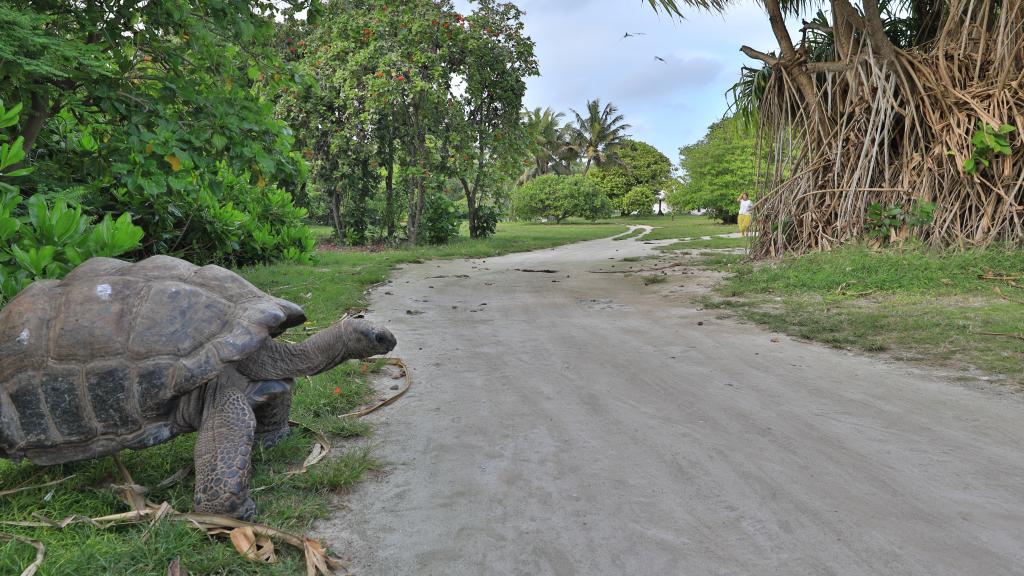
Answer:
x=574 y=423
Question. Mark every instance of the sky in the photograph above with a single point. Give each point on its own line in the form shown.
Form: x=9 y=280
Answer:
x=669 y=104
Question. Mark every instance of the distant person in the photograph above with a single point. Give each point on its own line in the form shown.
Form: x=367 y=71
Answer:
x=744 y=218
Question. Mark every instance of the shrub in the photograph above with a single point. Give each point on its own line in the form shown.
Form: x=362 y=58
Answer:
x=486 y=222
x=640 y=201
x=41 y=240
x=440 y=219
x=559 y=197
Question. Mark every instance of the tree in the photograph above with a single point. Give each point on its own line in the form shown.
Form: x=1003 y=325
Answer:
x=717 y=169
x=836 y=148
x=560 y=197
x=638 y=164
x=410 y=96
x=156 y=109
x=496 y=57
x=375 y=107
x=640 y=201
x=597 y=136
x=547 y=141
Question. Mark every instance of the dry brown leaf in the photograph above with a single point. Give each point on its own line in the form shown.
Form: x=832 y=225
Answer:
x=257 y=548
x=174 y=569
x=318 y=561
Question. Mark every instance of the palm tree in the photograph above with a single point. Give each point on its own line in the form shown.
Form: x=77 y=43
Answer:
x=547 y=142
x=595 y=137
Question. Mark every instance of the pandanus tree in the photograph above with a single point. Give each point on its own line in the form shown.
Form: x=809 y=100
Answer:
x=887 y=104
x=595 y=135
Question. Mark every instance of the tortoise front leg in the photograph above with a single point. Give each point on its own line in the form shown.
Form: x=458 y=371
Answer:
x=271 y=400
x=224 y=450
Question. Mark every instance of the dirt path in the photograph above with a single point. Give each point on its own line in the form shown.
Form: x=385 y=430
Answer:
x=574 y=423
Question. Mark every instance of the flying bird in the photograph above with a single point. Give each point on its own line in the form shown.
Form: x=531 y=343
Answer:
x=631 y=34
x=660 y=59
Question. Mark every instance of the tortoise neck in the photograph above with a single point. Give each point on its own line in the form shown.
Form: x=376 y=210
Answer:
x=278 y=360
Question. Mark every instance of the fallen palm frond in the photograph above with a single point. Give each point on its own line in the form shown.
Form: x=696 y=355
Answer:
x=316 y=555
x=408 y=384
x=898 y=129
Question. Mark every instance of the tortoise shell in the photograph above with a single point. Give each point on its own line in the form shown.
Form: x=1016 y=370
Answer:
x=98 y=361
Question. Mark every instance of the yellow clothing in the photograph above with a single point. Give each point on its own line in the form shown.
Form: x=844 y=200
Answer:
x=744 y=221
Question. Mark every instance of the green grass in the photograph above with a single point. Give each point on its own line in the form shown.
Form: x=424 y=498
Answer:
x=326 y=289
x=714 y=243
x=322 y=233
x=636 y=232
x=917 y=304
x=681 y=226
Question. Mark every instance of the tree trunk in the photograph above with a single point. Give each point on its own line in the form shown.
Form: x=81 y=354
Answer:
x=417 y=154
x=793 y=64
x=39 y=111
x=470 y=205
x=845 y=21
x=389 y=197
x=412 y=223
x=339 y=220
x=876 y=30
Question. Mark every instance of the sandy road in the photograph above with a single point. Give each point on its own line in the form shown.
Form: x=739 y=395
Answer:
x=575 y=424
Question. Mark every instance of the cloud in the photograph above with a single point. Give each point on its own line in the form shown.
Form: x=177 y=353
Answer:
x=658 y=79
x=582 y=56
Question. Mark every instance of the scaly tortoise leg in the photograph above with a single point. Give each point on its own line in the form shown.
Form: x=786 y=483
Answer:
x=272 y=403
x=224 y=450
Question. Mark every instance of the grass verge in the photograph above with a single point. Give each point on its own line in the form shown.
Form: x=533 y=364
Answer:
x=714 y=243
x=681 y=226
x=919 y=305
x=326 y=290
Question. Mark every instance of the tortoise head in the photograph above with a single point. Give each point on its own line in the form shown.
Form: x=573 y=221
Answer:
x=363 y=339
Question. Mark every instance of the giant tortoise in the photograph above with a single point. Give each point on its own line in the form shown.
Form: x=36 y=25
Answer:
x=119 y=355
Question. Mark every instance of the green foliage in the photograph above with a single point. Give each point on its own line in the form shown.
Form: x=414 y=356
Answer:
x=640 y=201
x=717 y=169
x=559 y=197
x=147 y=107
x=547 y=143
x=886 y=222
x=440 y=220
x=380 y=104
x=988 y=141
x=486 y=223
x=596 y=136
x=40 y=240
x=637 y=164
